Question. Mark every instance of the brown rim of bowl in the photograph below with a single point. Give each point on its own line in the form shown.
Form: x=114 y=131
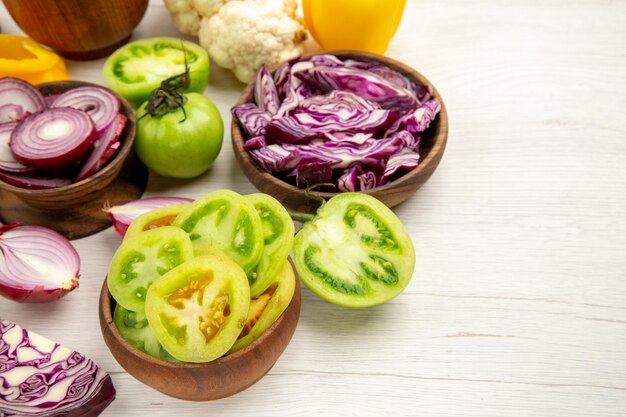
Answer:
x=106 y=306
x=121 y=154
x=440 y=135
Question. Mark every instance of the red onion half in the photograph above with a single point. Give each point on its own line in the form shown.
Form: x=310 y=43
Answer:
x=37 y=264
x=52 y=139
x=41 y=378
x=98 y=103
x=122 y=216
x=18 y=99
x=7 y=160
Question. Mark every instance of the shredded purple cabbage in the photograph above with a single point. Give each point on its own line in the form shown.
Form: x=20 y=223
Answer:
x=353 y=123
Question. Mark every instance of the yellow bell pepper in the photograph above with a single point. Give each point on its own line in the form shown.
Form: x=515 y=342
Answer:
x=22 y=57
x=363 y=25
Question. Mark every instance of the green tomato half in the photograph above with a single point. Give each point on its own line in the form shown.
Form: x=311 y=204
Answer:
x=139 y=67
x=180 y=144
x=355 y=252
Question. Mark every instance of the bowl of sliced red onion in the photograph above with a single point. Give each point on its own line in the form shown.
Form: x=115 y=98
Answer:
x=337 y=122
x=63 y=146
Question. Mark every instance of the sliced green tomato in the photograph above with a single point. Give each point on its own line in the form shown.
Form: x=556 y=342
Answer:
x=267 y=307
x=159 y=217
x=198 y=309
x=134 y=329
x=141 y=259
x=137 y=68
x=278 y=231
x=228 y=221
x=355 y=252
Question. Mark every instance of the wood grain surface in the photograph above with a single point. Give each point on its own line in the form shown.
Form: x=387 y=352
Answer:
x=517 y=307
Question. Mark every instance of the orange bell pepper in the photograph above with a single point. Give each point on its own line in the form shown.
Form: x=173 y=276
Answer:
x=22 y=57
x=362 y=25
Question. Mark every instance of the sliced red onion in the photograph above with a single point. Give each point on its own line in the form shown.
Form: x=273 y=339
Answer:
x=37 y=264
x=123 y=215
x=41 y=378
x=103 y=149
x=52 y=139
x=33 y=181
x=18 y=99
x=7 y=160
x=98 y=103
x=49 y=99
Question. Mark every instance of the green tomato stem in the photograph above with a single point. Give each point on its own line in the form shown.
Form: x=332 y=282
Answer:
x=300 y=217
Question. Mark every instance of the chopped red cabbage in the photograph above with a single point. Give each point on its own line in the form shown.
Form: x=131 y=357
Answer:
x=353 y=123
x=265 y=94
x=251 y=118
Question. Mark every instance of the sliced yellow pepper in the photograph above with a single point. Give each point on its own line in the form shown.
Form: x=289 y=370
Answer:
x=363 y=25
x=22 y=57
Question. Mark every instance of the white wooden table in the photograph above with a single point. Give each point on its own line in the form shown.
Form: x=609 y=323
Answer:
x=518 y=302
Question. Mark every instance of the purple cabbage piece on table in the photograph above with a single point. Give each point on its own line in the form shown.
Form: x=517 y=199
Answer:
x=41 y=378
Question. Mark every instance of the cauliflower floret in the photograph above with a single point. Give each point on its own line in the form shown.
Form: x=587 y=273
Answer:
x=187 y=23
x=208 y=8
x=245 y=34
x=185 y=17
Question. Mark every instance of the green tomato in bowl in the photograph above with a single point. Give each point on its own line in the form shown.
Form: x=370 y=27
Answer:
x=180 y=144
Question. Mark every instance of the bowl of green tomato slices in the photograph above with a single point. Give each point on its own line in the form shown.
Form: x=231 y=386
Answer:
x=201 y=299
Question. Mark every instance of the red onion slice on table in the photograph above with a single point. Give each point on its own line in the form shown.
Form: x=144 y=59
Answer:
x=52 y=139
x=123 y=215
x=104 y=148
x=98 y=103
x=43 y=378
x=37 y=264
x=18 y=99
x=7 y=160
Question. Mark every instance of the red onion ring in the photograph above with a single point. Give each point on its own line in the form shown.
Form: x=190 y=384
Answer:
x=52 y=139
x=33 y=181
x=7 y=160
x=18 y=99
x=98 y=103
x=36 y=264
x=104 y=148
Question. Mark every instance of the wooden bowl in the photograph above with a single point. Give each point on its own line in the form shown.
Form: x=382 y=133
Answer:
x=432 y=146
x=78 y=29
x=220 y=378
x=76 y=210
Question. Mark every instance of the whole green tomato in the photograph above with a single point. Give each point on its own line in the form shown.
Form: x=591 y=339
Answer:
x=177 y=144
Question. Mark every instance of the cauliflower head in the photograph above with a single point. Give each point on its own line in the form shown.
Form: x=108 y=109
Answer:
x=243 y=34
x=186 y=18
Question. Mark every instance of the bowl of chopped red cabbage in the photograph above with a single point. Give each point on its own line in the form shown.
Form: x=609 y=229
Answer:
x=337 y=122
